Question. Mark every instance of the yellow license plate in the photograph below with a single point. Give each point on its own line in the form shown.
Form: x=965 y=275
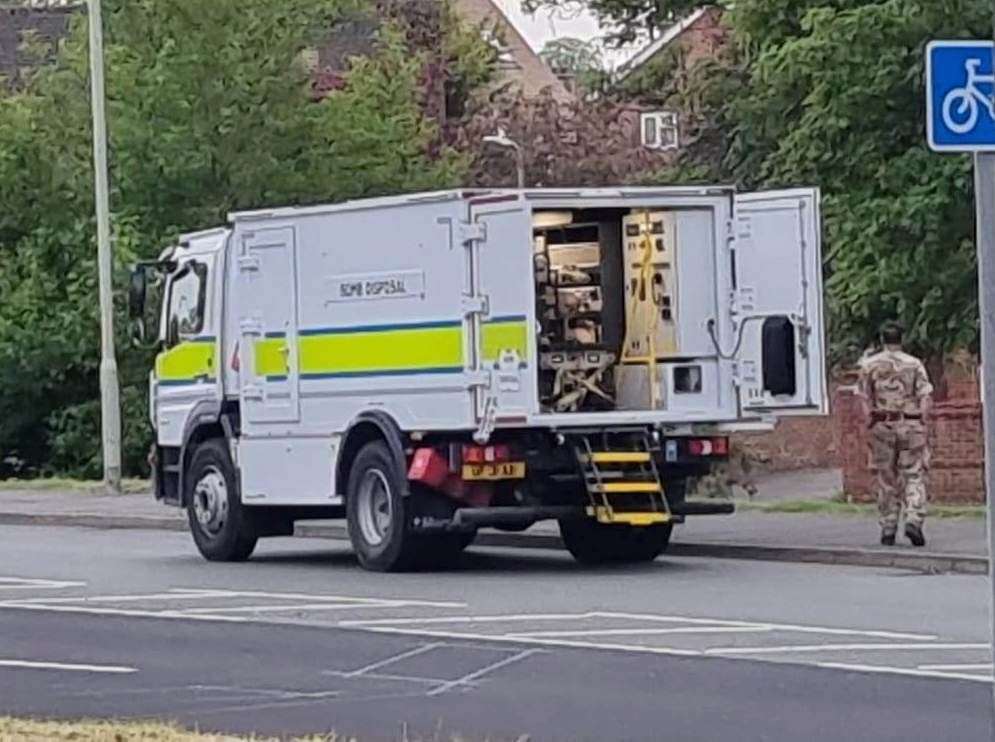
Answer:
x=509 y=470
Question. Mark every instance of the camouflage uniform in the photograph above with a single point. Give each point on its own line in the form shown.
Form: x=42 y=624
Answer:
x=897 y=392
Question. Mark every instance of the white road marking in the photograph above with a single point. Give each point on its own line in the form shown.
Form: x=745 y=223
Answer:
x=119 y=612
x=956 y=668
x=831 y=630
x=904 y=671
x=389 y=602
x=391 y=660
x=515 y=640
x=469 y=619
x=646 y=632
x=791 y=649
x=150 y=597
x=287 y=607
x=469 y=678
x=713 y=622
x=31 y=583
x=32 y=665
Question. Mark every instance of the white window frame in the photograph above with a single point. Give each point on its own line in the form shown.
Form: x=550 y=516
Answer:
x=666 y=130
x=505 y=55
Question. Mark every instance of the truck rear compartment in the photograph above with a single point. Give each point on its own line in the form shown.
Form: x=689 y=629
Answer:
x=617 y=291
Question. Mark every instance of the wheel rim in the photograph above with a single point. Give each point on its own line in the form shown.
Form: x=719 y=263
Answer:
x=210 y=501
x=374 y=507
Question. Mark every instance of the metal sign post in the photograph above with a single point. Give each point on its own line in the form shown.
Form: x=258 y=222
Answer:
x=110 y=409
x=984 y=188
x=960 y=106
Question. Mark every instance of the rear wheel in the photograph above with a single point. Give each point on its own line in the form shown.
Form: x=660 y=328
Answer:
x=591 y=542
x=222 y=528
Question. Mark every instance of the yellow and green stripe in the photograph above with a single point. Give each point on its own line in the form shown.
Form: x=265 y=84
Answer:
x=189 y=362
x=415 y=348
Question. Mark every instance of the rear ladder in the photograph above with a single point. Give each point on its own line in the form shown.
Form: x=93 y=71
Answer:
x=622 y=480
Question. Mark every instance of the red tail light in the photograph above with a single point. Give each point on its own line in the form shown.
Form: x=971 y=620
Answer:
x=720 y=446
x=485 y=454
x=696 y=447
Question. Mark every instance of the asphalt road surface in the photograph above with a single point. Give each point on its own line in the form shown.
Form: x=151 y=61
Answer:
x=511 y=642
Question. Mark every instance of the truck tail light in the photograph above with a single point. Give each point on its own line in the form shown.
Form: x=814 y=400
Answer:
x=708 y=447
x=485 y=454
x=428 y=466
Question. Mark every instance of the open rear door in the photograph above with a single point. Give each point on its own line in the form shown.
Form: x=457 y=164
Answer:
x=778 y=264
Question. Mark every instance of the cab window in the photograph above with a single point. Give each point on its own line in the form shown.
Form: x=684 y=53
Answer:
x=185 y=315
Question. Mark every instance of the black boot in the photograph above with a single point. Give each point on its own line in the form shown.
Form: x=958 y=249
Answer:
x=914 y=534
x=887 y=538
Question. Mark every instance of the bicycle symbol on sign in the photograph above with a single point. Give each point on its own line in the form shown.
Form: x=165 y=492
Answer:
x=960 y=106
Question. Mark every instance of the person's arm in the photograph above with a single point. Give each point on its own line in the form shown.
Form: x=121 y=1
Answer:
x=924 y=391
x=865 y=392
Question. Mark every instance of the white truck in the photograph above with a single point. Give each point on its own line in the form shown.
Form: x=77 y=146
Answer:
x=430 y=364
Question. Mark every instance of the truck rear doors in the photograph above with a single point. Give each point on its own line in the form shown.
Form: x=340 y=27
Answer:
x=777 y=305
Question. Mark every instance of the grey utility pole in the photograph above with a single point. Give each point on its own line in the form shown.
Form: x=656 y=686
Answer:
x=110 y=406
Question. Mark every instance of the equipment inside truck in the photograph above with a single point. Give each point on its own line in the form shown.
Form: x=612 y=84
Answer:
x=609 y=305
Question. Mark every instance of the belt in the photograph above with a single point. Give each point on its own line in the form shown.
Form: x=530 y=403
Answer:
x=881 y=416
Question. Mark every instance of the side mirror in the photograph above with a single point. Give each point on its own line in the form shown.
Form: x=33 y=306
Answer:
x=136 y=293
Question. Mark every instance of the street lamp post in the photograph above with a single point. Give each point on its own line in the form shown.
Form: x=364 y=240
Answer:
x=501 y=139
x=110 y=411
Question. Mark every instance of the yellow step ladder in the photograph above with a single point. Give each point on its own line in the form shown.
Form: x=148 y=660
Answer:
x=622 y=480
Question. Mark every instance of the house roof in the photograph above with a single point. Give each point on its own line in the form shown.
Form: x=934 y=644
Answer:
x=668 y=36
x=49 y=24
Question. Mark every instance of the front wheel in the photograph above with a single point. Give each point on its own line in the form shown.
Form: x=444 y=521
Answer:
x=591 y=542
x=222 y=528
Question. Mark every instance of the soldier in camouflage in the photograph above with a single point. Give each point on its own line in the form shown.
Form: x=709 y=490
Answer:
x=897 y=397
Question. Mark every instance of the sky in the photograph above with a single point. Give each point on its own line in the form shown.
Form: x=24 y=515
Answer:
x=547 y=25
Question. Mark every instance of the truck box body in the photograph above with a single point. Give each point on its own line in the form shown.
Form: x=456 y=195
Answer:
x=471 y=313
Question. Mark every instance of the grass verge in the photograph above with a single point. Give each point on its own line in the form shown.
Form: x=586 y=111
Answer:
x=62 y=484
x=835 y=507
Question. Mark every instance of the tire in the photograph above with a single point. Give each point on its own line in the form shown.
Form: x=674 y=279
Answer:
x=222 y=527
x=591 y=542
x=378 y=516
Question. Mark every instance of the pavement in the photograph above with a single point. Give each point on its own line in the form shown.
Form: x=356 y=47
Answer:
x=954 y=544
x=132 y=623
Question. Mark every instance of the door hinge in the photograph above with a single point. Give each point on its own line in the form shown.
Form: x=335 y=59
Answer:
x=744 y=373
x=470 y=232
x=475 y=305
x=480 y=378
x=251 y=326
x=247 y=263
x=744 y=300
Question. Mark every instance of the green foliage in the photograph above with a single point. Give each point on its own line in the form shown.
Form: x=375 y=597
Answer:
x=625 y=20
x=208 y=111
x=830 y=93
x=582 y=59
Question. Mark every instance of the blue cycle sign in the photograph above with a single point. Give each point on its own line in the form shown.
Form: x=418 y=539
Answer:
x=960 y=83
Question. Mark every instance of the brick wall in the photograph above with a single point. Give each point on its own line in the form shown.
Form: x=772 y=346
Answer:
x=955 y=432
x=956 y=437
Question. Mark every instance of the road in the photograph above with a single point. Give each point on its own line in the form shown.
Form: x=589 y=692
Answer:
x=134 y=624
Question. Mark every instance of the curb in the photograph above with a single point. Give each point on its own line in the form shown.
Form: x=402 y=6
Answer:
x=923 y=562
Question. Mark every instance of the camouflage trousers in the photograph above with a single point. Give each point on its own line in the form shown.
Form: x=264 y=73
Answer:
x=900 y=463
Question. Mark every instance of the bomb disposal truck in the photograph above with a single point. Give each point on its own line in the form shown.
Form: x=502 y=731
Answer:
x=430 y=364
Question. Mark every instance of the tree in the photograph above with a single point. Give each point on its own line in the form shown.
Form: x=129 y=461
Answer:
x=580 y=59
x=626 y=21
x=208 y=111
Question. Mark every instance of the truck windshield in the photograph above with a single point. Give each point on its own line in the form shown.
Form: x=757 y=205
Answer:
x=185 y=315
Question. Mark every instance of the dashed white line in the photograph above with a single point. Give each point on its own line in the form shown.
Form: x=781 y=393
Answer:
x=33 y=665
x=791 y=649
x=957 y=668
x=646 y=632
x=476 y=675
x=391 y=660
x=32 y=583
x=904 y=671
x=372 y=602
x=469 y=619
